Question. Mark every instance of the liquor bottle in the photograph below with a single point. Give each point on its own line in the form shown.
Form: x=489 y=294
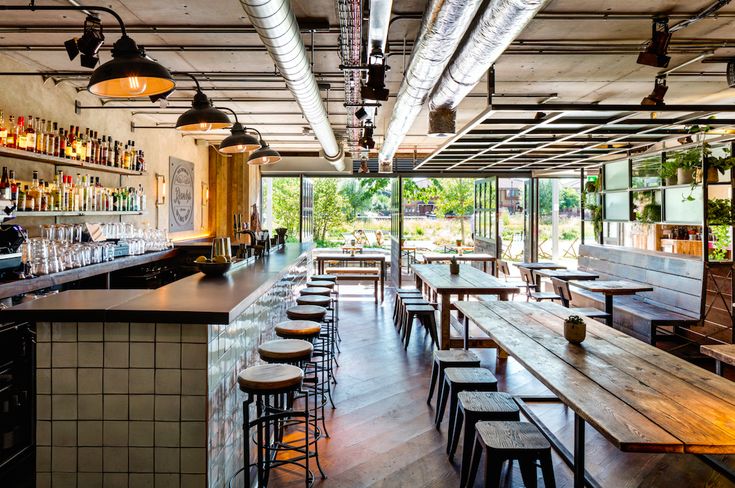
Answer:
x=10 y=140
x=44 y=196
x=22 y=202
x=56 y=140
x=33 y=194
x=5 y=184
x=20 y=133
x=72 y=143
x=3 y=130
x=64 y=148
x=14 y=187
x=80 y=144
x=95 y=148
x=30 y=135
x=41 y=137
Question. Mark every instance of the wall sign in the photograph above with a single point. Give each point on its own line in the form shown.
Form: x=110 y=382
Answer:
x=181 y=207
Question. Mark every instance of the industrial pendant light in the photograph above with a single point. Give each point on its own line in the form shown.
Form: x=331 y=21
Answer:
x=264 y=156
x=202 y=116
x=239 y=141
x=130 y=74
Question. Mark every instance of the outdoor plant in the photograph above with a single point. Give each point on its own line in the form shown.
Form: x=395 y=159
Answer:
x=668 y=171
x=719 y=214
x=721 y=164
x=719 y=211
x=575 y=329
x=592 y=203
x=650 y=214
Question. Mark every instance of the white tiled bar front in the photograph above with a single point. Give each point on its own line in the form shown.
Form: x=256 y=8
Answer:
x=129 y=404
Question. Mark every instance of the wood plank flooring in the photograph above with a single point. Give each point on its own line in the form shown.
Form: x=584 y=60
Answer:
x=382 y=432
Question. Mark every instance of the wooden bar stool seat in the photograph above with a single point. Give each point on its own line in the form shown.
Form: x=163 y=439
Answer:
x=286 y=351
x=505 y=441
x=417 y=300
x=322 y=284
x=270 y=378
x=316 y=290
x=452 y=358
x=324 y=277
x=398 y=303
x=473 y=407
x=298 y=329
x=320 y=300
x=307 y=312
x=426 y=313
x=457 y=380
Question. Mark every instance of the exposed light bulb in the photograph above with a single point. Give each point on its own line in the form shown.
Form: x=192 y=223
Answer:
x=134 y=85
x=240 y=148
x=205 y=126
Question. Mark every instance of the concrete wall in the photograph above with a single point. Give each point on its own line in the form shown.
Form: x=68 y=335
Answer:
x=31 y=96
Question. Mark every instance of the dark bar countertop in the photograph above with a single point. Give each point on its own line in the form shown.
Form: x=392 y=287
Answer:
x=191 y=300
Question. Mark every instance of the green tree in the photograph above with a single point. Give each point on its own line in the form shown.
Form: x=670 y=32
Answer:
x=286 y=205
x=359 y=194
x=568 y=198
x=457 y=198
x=330 y=207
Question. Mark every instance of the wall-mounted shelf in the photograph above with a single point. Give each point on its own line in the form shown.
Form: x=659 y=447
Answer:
x=44 y=158
x=74 y=214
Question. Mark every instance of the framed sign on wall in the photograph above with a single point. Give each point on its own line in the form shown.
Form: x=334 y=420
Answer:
x=181 y=206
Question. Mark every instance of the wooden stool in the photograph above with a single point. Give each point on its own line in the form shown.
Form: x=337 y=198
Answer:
x=288 y=351
x=400 y=296
x=452 y=358
x=316 y=290
x=319 y=300
x=307 y=312
x=322 y=283
x=457 y=380
x=505 y=441
x=426 y=314
x=298 y=329
x=473 y=407
x=401 y=324
x=324 y=277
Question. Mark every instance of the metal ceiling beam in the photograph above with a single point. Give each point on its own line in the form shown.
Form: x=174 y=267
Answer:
x=598 y=107
x=648 y=122
x=305 y=25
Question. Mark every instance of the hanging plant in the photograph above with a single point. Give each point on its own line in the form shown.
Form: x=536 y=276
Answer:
x=592 y=203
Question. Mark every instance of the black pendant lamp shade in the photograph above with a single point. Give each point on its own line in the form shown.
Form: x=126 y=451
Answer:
x=238 y=141
x=264 y=156
x=202 y=116
x=130 y=74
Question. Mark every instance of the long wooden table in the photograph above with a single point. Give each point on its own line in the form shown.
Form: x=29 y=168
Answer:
x=640 y=398
x=611 y=289
x=435 y=257
x=469 y=281
x=363 y=257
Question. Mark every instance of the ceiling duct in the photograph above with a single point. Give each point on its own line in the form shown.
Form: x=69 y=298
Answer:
x=494 y=30
x=442 y=28
x=275 y=23
x=350 y=37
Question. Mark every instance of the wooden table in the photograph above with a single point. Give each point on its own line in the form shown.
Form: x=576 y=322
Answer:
x=360 y=258
x=566 y=274
x=348 y=249
x=640 y=398
x=539 y=266
x=469 y=281
x=610 y=289
x=722 y=353
x=433 y=257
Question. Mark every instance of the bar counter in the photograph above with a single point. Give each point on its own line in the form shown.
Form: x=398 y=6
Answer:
x=144 y=388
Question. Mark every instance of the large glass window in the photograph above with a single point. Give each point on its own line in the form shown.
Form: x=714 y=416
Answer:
x=617 y=206
x=616 y=175
x=559 y=219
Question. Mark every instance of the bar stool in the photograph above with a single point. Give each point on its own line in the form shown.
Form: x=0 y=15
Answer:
x=400 y=296
x=457 y=380
x=286 y=351
x=316 y=290
x=306 y=312
x=298 y=329
x=319 y=300
x=505 y=441
x=329 y=303
x=265 y=385
x=426 y=314
x=324 y=277
x=452 y=358
x=322 y=283
x=473 y=407
x=402 y=310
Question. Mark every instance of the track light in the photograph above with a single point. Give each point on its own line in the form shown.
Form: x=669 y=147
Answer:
x=202 y=116
x=88 y=45
x=374 y=88
x=656 y=52
x=731 y=74
x=366 y=141
x=361 y=114
x=656 y=97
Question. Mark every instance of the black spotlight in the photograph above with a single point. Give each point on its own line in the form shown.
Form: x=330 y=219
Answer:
x=361 y=114
x=657 y=95
x=89 y=44
x=655 y=53
x=366 y=140
x=374 y=88
x=731 y=74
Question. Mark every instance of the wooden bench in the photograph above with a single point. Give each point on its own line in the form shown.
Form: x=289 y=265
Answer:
x=353 y=270
x=722 y=353
x=374 y=277
x=676 y=300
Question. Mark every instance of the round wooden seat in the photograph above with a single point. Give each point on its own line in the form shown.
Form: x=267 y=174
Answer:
x=270 y=377
x=298 y=328
x=321 y=283
x=316 y=290
x=456 y=356
x=420 y=308
x=286 y=350
x=469 y=376
x=320 y=300
x=324 y=277
x=306 y=312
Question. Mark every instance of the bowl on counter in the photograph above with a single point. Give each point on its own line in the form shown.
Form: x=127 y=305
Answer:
x=214 y=269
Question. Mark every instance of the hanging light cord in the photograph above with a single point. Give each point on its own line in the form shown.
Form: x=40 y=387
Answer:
x=260 y=137
x=33 y=7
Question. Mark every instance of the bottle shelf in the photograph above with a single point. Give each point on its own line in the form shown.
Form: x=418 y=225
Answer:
x=75 y=214
x=44 y=158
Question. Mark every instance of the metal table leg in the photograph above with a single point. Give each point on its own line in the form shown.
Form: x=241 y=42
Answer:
x=609 y=309
x=578 y=451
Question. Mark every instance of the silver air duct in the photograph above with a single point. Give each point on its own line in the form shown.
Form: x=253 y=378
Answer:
x=496 y=27
x=443 y=25
x=276 y=25
x=350 y=40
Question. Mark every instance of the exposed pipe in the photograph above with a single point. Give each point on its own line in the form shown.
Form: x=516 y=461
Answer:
x=378 y=26
x=494 y=30
x=444 y=24
x=276 y=24
x=350 y=47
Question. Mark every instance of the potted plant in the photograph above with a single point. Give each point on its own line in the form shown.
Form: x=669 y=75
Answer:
x=668 y=172
x=719 y=165
x=575 y=330
x=650 y=214
x=454 y=266
x=687 y=162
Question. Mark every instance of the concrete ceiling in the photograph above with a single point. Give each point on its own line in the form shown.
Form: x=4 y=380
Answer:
x=575 y=59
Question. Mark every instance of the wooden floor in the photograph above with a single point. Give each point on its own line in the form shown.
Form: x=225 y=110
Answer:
x=382 y=434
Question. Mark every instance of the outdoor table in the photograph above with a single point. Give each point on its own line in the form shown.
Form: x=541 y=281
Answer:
x=640 y=398
x=360 y=258
x=722 y=353
x=469 y=281
x=474 y=257
x=539 y=266
x=566 y=274
x=610 y=289
x=348 y=249
x=408 y=251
